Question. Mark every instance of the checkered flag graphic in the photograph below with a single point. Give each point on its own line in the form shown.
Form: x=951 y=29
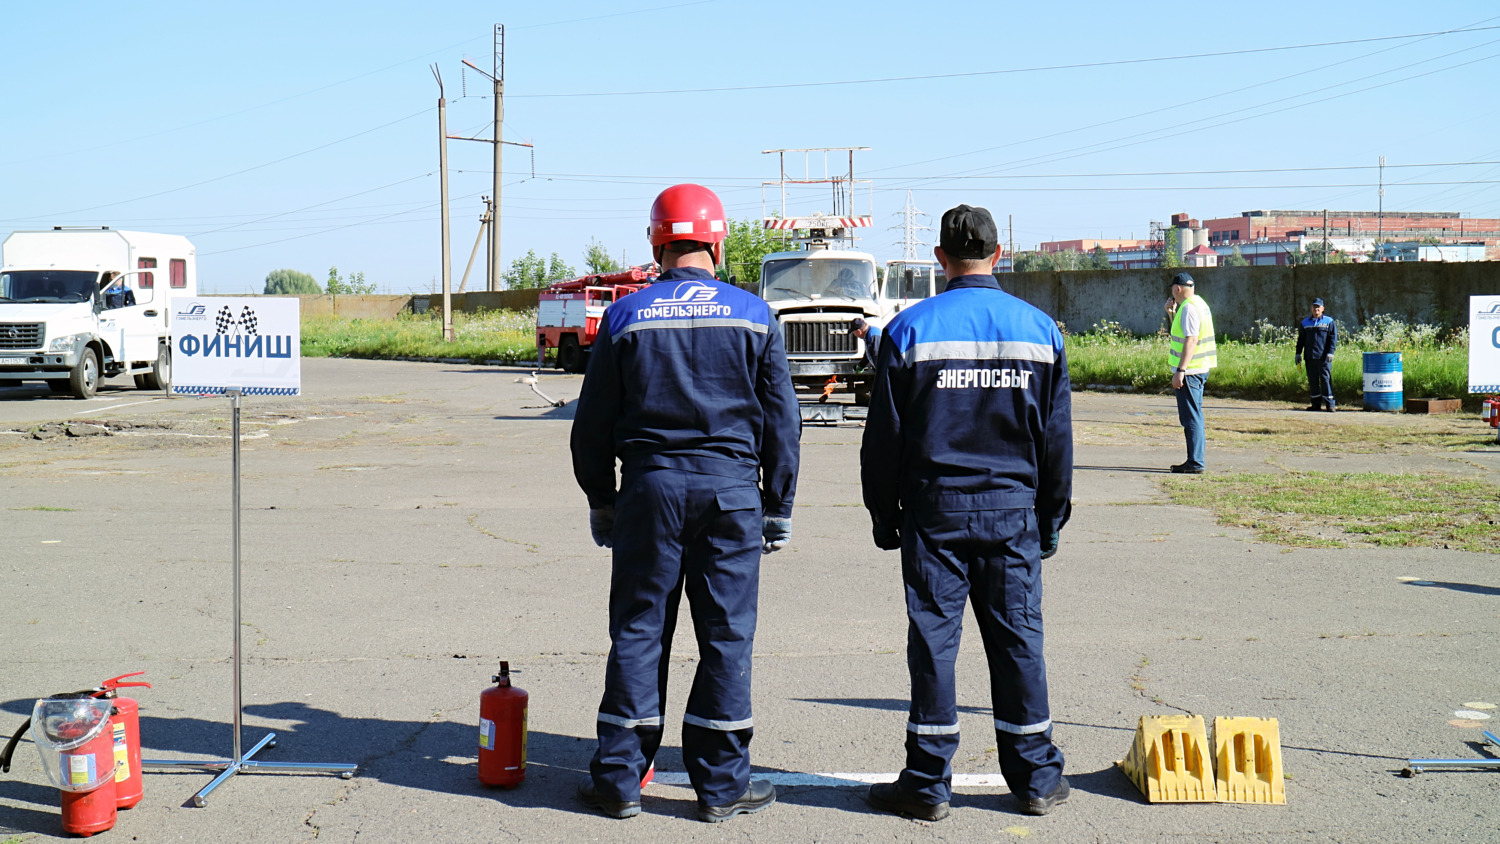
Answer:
x=225 y=323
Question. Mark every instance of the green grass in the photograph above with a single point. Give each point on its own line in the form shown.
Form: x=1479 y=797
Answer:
x=1314 y=509
x=1265 y=370
x=490 y=335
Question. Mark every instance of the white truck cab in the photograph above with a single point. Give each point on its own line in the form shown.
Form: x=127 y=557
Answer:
x=81 y=305
x=909 y=281
x=814 y=294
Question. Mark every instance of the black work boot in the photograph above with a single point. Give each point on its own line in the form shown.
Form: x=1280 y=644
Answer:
x=1043 y=805
x=757 y=796
x=589 y=796
x=890 y=797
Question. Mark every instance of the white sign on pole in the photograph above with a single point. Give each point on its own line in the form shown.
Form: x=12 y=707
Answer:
x=1484 y=344
x=254 y=344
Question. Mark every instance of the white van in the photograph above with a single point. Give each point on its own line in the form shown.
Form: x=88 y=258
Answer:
x=78 y=305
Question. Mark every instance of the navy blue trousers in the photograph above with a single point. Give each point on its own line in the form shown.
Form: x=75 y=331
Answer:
x=1320 y=381
x=992 y=558
x=676 y=532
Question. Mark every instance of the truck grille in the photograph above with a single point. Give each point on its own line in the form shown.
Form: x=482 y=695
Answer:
x=20 y=335
x=819 y=338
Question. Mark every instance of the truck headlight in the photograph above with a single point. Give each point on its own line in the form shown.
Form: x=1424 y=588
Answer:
x=66 y=343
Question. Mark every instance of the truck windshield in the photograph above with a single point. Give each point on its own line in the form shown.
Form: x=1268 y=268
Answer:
x=803 y=278
x=48 y=285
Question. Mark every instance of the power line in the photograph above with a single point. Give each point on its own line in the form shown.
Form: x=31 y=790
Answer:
x=976 y=73
x=1090 y=149
x=228 y=175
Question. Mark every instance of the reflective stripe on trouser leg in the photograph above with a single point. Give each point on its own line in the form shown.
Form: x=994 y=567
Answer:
x=936 y=591
x=645 y=588
x=1006 y=592
x=721 y=565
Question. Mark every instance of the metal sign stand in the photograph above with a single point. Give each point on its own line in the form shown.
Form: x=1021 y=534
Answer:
x=242 y=762
x=1417 y=766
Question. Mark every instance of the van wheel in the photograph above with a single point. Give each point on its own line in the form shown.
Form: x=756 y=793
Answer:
x=160 y=376
x=570 y=354
x=84 y=380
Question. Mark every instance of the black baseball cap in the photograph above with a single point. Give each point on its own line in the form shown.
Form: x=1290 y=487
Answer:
x=1183 y=279
x=968 y=233
x=1318 y=302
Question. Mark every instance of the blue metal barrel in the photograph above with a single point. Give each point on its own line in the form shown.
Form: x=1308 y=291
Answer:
x=1383 y=381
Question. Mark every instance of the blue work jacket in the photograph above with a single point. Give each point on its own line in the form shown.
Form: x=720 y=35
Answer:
x=1317 y=338
x=688 y=373
x=972 y=409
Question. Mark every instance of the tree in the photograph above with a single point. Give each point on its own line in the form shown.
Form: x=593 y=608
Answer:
x=531 y=270
x=597 y=260
x=1313 y=253
x=352 y=285
x=1099 y=259
x=1068 y=259
x=745 y=244
x=1171 y=249
x=1034 y=262
x=1236 y=259
x=290 y=283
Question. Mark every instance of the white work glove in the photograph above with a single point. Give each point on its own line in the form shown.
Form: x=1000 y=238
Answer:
x=602 y=526
x=1329 y=358
x=776 y=533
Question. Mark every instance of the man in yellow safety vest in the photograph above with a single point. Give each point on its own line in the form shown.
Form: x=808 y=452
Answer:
x=1192 y=355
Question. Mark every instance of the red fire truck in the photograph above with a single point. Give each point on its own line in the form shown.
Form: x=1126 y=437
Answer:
x=568 y=312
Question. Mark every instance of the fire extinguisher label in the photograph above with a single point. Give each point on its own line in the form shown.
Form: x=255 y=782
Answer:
x=486 y=734
x=122 y=757
x=81 y=769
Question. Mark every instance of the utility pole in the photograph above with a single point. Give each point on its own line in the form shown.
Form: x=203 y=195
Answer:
x=497 y=78
x=442 y=110
x=1380 y=211
x=499 y=145
x=1325 y=235
x=1010 y=225
x=484 y=228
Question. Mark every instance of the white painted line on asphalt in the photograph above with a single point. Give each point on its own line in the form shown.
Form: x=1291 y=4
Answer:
x=117 y=406
x=842 y=780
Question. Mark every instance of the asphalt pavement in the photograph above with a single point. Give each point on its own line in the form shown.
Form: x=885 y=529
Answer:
x=406 y=526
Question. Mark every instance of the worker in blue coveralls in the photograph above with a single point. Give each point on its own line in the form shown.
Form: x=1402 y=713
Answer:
x=967 y=468
x=688 y=386
x=1317 y=338
x=871 y=335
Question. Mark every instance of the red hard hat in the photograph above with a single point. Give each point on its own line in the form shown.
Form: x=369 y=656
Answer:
x=688 y=212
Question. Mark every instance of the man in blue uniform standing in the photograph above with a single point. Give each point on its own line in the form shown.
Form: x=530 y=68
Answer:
x=1317 y=338
x=967 y=468
x=688 y=387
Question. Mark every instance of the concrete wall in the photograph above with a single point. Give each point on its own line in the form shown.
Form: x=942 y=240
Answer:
x=1416 y=292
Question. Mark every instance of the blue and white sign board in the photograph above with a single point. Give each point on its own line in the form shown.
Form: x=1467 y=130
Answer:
x=1484 y=344
x=254 y=344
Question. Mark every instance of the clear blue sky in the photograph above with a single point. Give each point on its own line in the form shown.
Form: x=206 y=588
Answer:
x=303 y=135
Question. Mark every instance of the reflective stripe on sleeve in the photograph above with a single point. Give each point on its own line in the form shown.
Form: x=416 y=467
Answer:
x=982 y=350
x=932 y=729
x=725 y=726
x=629 y=723
x=1022 y=730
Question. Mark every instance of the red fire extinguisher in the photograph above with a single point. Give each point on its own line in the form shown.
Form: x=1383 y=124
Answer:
x=125 y=727
x=77 y=747
x=502 y=732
